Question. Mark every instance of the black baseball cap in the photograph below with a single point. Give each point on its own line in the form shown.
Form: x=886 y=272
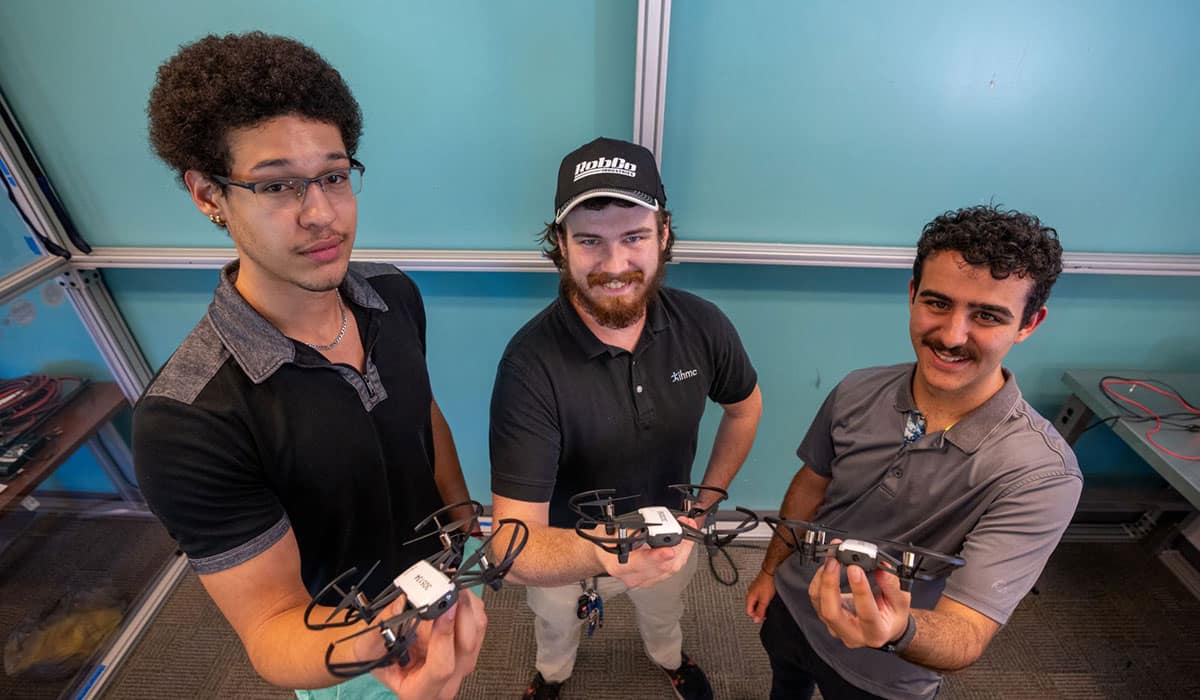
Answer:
x=608 y=168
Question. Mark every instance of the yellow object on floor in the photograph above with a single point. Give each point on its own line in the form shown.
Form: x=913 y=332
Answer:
x=59 y=646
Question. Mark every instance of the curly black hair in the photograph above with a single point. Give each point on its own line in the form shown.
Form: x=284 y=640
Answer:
x=219 y=83
x=550 y=234
x=1008 y=242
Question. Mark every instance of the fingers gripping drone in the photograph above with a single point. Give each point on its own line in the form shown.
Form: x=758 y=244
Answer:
x=815 y=542
x=656 y=526
x=430 y=585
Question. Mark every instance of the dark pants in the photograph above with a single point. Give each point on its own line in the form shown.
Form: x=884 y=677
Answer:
x=796 y=669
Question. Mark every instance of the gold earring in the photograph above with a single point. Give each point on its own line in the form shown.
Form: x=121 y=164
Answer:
x=217 y=220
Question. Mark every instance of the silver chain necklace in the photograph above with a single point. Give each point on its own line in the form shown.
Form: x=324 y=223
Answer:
x=341 y=333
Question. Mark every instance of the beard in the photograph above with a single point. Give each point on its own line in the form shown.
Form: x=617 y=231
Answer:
x=613 y=313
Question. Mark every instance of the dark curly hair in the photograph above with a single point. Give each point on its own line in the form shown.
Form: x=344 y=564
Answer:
x=550 y=234
x=221 y=83
x=1008 y=242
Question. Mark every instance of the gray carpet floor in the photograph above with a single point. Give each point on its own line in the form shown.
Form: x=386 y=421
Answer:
x=1106 y=621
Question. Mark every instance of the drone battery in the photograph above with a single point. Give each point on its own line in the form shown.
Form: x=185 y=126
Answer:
x=429 y=591
x=859 y=553
x=661 y=526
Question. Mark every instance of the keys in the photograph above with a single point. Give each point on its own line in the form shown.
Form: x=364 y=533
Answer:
x=584 y=606
x=595 y=616
x=590 y=609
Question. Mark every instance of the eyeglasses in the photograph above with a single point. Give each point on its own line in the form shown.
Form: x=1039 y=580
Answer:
x=281 y=192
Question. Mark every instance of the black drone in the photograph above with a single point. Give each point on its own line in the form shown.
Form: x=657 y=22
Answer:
x=431 y=586
x=907 y=561
x=657 y=526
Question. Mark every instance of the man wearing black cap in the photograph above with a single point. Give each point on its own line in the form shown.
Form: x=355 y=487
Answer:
x=605 y=388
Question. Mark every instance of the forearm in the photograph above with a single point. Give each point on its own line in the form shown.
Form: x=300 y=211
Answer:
x=801 y=502
x=555 y=556
x=735 y=437
x=944 y=642
x=287 y=654
x=447 y=472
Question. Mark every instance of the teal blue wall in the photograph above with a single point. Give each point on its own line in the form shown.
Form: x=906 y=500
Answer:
x=855 y=123
x=459 y=100
x=804 y=328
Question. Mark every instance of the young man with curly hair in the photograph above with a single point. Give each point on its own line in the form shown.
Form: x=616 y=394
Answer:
x=604 y=389
x=943 y=453
x=294 y=435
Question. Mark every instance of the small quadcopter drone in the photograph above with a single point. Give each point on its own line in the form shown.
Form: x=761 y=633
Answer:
x=907 y=561
x=657 y=526
x=431 y=586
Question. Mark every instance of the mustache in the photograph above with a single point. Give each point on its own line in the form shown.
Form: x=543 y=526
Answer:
x=596 y=279
x=956 y=351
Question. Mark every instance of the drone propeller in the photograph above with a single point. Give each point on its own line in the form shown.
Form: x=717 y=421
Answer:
x=710 y=536
x=603 y=499
x=477 y=569
x=452 y=529
x=353 y=602
x=399 y=632
x=814 y=535
x=620 y=538
x=692 y=493
x=912 y=562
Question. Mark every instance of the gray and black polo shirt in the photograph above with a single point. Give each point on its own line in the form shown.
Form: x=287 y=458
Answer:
x=998 y=488
x=246 y=433
x=570 y=413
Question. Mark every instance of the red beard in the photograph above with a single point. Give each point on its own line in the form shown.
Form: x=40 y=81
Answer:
x=613 y=313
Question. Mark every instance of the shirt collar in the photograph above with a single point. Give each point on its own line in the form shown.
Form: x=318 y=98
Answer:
x=657 y=321
x=969 y=432
x=257 y=346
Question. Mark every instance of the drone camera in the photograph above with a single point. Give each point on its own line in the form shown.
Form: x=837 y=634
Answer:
x=427 y=588
x=661 y=526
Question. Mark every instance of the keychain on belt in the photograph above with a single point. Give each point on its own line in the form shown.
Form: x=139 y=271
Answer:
x=590 y=606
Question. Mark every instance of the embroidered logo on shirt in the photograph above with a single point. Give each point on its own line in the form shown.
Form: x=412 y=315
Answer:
x=680 y=375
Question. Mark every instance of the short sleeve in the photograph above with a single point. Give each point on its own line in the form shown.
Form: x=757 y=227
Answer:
x=525 y=440
x=416 y=308
x=816 y=450
x=1008 y=548
x=734 y=377
x=198 y=474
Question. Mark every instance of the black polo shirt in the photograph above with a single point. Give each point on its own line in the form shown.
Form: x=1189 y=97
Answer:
x=570 y=413
x=246 y=433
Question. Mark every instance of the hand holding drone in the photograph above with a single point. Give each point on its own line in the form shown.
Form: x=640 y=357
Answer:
x=656 y=526
x=814 y=542
x=431 y=587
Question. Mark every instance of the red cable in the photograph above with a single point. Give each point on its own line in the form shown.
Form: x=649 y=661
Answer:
x=1104 y=384
x=24 y=400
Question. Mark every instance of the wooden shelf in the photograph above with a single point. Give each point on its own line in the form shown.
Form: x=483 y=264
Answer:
x=72 y=426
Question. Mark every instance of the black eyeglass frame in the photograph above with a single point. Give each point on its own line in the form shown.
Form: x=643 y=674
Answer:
x=253 y=186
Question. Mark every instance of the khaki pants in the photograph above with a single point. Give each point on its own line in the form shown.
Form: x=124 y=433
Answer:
x=658 y=610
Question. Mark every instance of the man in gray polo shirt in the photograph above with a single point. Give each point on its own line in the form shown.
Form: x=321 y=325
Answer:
x=943 y=453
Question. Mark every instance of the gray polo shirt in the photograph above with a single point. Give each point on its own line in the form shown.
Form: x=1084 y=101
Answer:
x=998 y=488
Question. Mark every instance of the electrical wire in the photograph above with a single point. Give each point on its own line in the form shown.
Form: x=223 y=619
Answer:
x=712 y=549
x=24 y=401
x=1123 y=402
